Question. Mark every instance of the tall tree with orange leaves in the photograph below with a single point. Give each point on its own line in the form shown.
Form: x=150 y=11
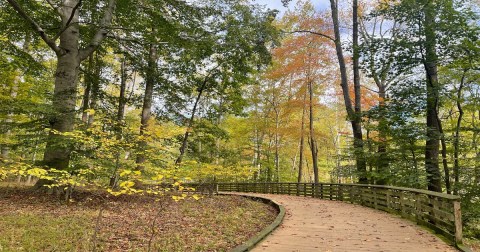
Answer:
x=303 y=61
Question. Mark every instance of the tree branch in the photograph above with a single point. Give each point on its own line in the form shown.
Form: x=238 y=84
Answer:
x=314 y=33
x=36 y=27
x=101 y=33
x=67 y=24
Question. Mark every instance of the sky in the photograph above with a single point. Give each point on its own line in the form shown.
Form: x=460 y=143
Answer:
x=277 y=4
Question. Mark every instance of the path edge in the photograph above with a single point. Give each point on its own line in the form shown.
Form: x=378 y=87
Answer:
x=254 y=240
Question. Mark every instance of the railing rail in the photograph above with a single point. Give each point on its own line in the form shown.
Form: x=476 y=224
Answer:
x=437 y=211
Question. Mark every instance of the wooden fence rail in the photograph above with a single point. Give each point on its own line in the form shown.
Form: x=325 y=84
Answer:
x=437 y=211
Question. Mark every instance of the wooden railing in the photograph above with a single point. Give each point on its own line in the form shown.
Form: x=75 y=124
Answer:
x=437 y=211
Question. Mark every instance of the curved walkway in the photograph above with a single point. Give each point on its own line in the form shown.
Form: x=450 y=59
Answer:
x=322 y=225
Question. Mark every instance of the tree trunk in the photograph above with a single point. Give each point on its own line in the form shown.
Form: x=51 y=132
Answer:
x=456 y=142
x=433 y=134
x=183 y=148
x=277 y=157
x=95 y=88
x=356 y=64
x=302 y=138
x=69 y=55
x=444 y=157
x=382 y=161
x=476 y=179
x=5 y=149
x=57 y=151
x=313 y=141
x=147 y=105
x=122 y=101
x=355 y=119
x=88 y=87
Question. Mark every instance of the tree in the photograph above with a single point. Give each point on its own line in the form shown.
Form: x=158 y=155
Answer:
x=354 y=115
x=69 y=55
x=425 y=40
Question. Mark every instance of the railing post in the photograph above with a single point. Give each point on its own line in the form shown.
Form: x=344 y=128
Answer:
x=340 y=192
x=458 y=222
x=330 y=191
x=321 y=191
x=388 y=199
x=350 y=193
x=418 y=207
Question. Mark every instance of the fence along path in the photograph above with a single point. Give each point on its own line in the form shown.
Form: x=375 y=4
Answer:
x=437 y=211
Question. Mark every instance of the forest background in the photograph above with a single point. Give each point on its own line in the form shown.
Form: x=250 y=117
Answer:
x=114 y=94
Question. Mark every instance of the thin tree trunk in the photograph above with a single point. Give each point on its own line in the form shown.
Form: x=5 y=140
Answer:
x=95 y=89
x=382 y=161
x=302 y=138
x=446 y=170
x=277 y=157
x=147 y=105
x=359 y=148
x=313 y=141
x=122 y=101
x=5 y=149
x=355 y=119
x=256 y=155
x=476 y=179
x=456 y=142
x=190 y=121
x=415 y=163
x=356 y=64
x=88 y=87
x=433 y=135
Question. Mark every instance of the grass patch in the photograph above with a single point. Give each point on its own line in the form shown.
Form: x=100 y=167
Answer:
x=37 y=222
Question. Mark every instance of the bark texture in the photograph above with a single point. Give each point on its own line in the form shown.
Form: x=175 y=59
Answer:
x=433 y=134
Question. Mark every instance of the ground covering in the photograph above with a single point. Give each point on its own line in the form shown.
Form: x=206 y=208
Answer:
x=100 y=222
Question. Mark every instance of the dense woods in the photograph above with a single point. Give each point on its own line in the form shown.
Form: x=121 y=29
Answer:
x=119 y=94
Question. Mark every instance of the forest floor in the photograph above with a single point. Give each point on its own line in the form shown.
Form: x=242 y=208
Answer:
x=36 y=222
x=473 y=244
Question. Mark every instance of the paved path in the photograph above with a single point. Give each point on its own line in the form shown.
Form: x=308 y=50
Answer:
x=322 y=225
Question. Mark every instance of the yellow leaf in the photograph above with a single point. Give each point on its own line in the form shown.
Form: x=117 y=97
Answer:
x=125 y=172
x=127 y=184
